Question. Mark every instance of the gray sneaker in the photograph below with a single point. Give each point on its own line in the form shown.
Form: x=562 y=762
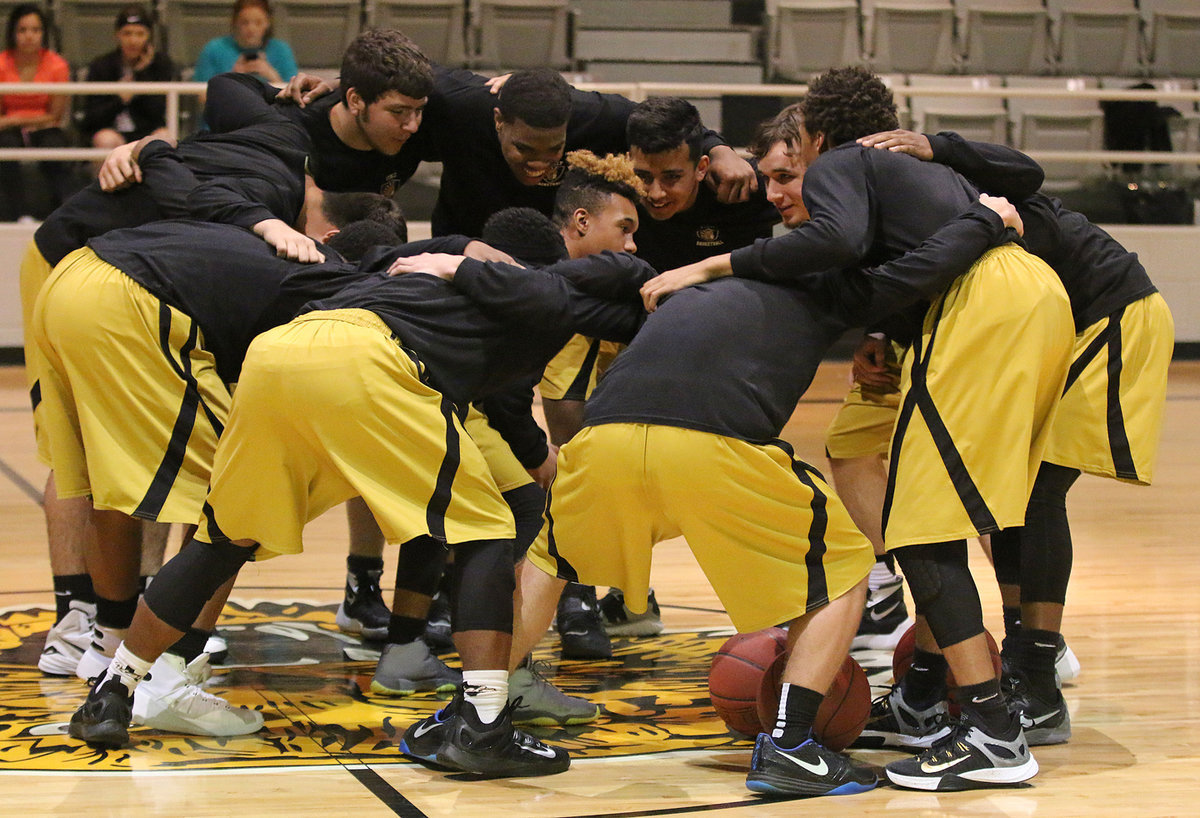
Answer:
x=893 y=722
x=620 y=621
x=539 y=702
x=405 y=669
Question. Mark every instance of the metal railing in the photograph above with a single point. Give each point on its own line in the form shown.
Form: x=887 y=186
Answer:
x=638 y=91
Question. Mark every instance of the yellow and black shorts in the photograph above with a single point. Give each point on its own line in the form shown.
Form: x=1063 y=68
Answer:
x=132 y=404
x=576 y=369
x=1110 y=417
x=863 y=425
x=331 y=406
x=35 y=270
x=978 y=398
x=506 y=469
x=769 y=533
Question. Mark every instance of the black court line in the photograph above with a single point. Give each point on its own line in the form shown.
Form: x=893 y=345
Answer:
x=27 y=488
x=388 y=795
x=681 y=810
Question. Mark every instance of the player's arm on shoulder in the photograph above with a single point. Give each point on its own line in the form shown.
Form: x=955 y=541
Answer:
x=662 y=285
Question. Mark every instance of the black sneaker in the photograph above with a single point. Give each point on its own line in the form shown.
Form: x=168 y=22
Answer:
x=893 y=722
x=966 y=759
x=363 y=610
x=454 y=737
x=884 y=619
x=1044 y=722
x=579 y=626
x=103 y=719
x=438 y=629
x=809 y=769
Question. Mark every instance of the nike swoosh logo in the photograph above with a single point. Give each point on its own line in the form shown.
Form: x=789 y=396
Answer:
x=878 y=615
x=977 y=700
x=926 y=767
x=820 y=768
x=1027 y=722
x=542 y=750
x=424 y=727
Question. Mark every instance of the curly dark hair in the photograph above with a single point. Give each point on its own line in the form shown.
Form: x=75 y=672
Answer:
x=590 y=181
x=526 y=235
x=661 y=124
x=848 y=103
x=343 y=208
x=379 y=60
x=354 y=240
x=539 y=97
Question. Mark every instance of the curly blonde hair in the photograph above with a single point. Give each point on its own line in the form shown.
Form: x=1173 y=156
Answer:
x=591 y=179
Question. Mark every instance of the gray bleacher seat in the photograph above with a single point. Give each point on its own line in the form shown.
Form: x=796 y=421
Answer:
x=439 y=27
x=805 y=37
x=521 y=33
x=317 y=30
x=1004 y=38
x=981 y=119
x=1096 y=37
x=909 y=35
x=1172 y=37
x=192 y=23
x=1058 y=124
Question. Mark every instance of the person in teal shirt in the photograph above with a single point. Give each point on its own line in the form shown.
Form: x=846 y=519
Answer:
x=249 y=48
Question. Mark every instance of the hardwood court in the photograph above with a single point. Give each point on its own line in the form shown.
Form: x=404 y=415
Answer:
x=1133 y=618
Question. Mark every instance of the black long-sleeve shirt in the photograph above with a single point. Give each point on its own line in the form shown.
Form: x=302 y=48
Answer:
x=147 y=112
x=707 y=228
x=1099 y=275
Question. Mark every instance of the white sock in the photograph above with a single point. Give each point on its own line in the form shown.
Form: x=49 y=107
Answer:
x=128 y=668
x=880 y=575
x=487 y=691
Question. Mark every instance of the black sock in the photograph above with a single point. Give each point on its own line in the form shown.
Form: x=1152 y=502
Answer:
x=1012 y=630
x=794 y=719
x=987 y=707
x=925 y=682
x=70 y=588
x=115 y=613
x=1036 y=653
x=362 y=566
x=404 y=629
x=190 y=645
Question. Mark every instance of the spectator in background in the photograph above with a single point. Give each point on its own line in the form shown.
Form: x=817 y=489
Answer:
x=249 y=49
x=31 y=120
x=110 y=120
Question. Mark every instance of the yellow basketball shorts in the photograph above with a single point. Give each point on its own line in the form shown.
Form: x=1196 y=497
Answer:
x=768 y=532
x=329 y=407
x=132 y=404
x=1110 y=417
x=34 y=272
x=504 y=466
x=979 y=394
x=863 y=425
x=577 y=368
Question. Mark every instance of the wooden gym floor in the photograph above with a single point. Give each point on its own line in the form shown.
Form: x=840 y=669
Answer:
x=1133 y=618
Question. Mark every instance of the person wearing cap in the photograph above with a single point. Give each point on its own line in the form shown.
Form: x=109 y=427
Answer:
x=110 y=120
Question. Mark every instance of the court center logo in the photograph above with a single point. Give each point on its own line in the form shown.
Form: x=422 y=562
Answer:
x=312 y=684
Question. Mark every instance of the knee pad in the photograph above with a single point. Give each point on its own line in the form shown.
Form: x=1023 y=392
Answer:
x=943 y=590
x=528 y=504
x=1006 y=556
x=483 y=586
x=188 y=580
x=1046 y=549
x=420 y=565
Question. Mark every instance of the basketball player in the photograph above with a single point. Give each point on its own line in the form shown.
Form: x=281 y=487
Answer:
x=945 y=484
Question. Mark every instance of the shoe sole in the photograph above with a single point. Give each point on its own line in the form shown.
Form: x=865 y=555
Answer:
x=979 y=779
x=772 y=786
x=109 y=734
x=491 y=768
x=653 y=628
x=555 y=721
x=383 y=690
x=355 y=627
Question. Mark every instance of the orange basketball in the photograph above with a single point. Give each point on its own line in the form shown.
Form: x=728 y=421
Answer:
x=736 y=673
x=842 y=714
x=902 y=659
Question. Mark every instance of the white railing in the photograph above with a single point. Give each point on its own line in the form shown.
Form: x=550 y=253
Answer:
x=638 y=91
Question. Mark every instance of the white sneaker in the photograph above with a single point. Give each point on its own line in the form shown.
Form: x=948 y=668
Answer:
x=1066 y=663
x=170 y=699
x=99 y=654
x=217 y=648
x=67 y=640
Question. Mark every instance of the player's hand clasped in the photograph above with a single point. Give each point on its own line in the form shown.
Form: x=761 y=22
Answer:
x=442 y=265
x=288 y=242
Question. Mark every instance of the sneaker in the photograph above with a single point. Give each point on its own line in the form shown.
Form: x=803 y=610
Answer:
x=99 y=654
x=103 y=719
x=893 y=722
x=170 y=699
x=579 y=626
x=884 y=619
x=217 y=648
x=620 y=621
x=438 y=630
x=363 y=610
x=68 y=639
x=809 y=769
x=1067 y=663
x=966 y=759
x=535 y=701
x=405 y=669
x=1043 y=722
x=455 y=738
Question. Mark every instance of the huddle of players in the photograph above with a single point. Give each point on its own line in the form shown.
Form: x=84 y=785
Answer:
x=470 y=329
